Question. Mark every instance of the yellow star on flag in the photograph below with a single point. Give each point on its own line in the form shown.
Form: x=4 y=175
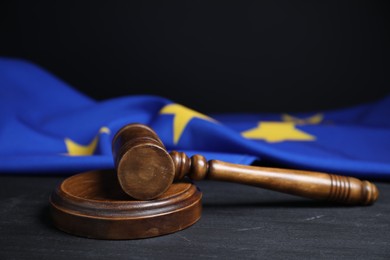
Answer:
x=277 y=132
x=316 y=119
x=75 y=149
x=182 y=116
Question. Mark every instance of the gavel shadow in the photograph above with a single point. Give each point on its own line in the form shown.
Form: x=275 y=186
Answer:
x=233 y=195
x=273 y=204
x=45 y=219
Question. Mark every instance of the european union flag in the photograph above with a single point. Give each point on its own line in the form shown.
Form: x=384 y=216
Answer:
x=48 y=127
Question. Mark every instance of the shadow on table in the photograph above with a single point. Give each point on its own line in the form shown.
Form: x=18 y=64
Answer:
x=275 y=204
x=45 y=218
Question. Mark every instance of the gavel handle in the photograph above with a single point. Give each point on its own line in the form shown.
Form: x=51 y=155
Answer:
x=314 y=185
x=145 y=170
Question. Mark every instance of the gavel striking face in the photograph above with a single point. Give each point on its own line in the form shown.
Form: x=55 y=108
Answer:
x=145 y=170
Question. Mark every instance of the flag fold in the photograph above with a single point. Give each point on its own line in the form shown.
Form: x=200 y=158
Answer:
x=47 y=127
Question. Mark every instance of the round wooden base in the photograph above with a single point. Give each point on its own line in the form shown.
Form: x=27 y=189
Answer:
x=93 y=205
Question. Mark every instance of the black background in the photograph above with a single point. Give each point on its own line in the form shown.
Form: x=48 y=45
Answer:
x=212 y=56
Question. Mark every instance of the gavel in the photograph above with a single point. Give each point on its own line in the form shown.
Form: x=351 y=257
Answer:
x=145 y=170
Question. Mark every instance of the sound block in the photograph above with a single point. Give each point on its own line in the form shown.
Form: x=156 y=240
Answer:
x=93 y=205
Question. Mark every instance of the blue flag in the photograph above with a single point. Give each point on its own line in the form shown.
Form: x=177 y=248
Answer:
x=48 y=127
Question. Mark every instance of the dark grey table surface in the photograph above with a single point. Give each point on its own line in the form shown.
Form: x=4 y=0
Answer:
x=238 y=222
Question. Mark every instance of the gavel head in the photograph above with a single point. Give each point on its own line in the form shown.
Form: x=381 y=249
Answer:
x=144 y=168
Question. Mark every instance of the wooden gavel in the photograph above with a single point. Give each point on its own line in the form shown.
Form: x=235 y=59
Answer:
x=145 y=170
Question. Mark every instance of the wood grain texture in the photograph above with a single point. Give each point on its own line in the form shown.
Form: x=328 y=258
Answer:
x=309 y=184
x=92 y=205
x=143 y=166
x=145 y=170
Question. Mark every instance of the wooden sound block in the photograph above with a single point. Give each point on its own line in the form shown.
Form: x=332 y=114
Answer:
x=93 y=205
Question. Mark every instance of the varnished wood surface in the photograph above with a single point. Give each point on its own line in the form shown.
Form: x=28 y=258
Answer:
x=93 y=205
x=238 y=222
x=309 y=184
x=145 y=170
